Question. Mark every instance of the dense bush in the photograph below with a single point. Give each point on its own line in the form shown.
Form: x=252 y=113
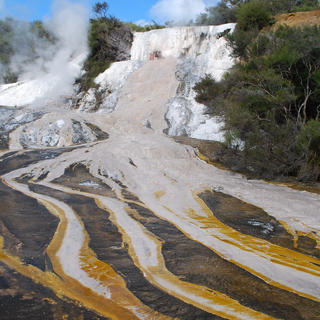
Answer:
x=253 y=15
x=228 y=10
x=309 y=143
x=270 y=102
x=270 y=99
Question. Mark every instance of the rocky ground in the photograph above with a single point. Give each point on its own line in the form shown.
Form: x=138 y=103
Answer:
x=130 y=224
x=105 y=216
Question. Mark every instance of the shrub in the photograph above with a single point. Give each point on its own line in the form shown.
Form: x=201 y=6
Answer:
x=253 y=15
x=207 y=89
x=309 y=145
x=309 y=140
x=239 y=40
x=270 y=102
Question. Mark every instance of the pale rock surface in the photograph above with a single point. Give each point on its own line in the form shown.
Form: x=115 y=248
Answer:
x=161 y=165
x=110 y=84
x=52 y=131
x=199 y=50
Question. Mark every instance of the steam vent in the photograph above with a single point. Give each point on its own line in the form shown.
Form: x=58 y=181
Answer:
x=105 y=216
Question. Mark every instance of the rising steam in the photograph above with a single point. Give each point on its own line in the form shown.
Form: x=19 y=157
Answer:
x=54 y=65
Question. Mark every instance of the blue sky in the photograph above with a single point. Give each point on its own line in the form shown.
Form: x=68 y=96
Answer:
x=126 y=10
x=39 y=9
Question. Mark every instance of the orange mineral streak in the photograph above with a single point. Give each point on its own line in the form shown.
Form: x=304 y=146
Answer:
x=271 y=252
x=295 y=233
x=64 y=288
x=106 y=276
x=311 y=234
x=122 y=300
x=290 y=231
x=264 y=249
x=199 y=296
x=213 y=163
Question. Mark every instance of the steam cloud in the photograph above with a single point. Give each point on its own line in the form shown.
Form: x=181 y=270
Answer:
x=54 y=66
x=179 y=11
x=70 y=26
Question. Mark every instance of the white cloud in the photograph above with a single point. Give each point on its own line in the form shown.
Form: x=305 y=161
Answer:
x=180 y=11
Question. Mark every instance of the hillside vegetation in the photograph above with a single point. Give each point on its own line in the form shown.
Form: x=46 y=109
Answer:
x=228 y=10
x=270 y=98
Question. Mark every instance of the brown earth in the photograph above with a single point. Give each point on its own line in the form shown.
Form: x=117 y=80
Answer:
x=298 y=19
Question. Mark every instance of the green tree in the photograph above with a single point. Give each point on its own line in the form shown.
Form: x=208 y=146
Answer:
x=219 y=14
x=295 y=54
x=253 y=14
x=226 y=10
x=101 y=9
x=305 y=5
x=39 y=30
x=6 y=33
x=309 y=143
x=271 y=103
